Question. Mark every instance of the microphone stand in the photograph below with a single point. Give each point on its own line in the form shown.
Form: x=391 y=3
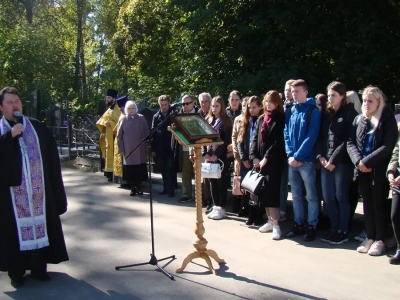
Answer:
x=153 y=259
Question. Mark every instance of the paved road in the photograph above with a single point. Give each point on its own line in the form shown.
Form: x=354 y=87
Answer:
x=105 y=227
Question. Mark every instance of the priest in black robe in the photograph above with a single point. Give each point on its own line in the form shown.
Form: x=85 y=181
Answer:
x=32 y=194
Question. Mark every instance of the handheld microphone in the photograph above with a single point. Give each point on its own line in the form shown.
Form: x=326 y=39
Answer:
x=18 y=115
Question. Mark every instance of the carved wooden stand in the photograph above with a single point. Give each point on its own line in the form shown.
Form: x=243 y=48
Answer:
x=200 y=244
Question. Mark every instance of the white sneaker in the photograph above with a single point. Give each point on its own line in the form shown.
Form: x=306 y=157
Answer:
x=377 y=248
x=365 y=245
x=219 y=214
x=267 y=227
x=276 y=233
x=211 y=213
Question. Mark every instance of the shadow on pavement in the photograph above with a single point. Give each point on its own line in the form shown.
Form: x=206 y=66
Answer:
x=222 y=271
x=64 y=286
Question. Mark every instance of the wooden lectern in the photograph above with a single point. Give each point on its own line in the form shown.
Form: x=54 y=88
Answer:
x=200 y=244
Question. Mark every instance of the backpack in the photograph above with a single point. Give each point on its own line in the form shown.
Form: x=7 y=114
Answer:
x=309 y=113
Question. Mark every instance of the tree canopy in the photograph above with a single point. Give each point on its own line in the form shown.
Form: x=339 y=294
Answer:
x=73 y=50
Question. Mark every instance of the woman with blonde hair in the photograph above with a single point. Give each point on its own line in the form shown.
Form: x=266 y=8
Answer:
x=372 y=139
x=267 y=152
x=353 y=98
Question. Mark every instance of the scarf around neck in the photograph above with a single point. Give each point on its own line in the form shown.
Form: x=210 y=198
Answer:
x=268 y=116
x=28 y=199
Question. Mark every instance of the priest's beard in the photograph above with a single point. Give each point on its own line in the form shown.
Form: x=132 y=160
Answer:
x=109 y=104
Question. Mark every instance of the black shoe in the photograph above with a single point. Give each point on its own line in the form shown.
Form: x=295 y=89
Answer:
x=133 y=193
x=17 y=283
x=310 y=234
x=295 y=231
x=171 y=195
x=340 y=238
x=42 y=277
x=395 y=259
x=139 y=191
x=249 y=222
x=185 y=199
x=329 y=236
x=163 y=193
x=124 y=186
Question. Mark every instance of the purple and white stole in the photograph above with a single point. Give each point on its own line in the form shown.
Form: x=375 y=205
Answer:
x=29 y=198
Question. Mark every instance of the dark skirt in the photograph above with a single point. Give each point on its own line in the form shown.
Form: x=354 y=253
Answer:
x=135 y=173
x=270 y=195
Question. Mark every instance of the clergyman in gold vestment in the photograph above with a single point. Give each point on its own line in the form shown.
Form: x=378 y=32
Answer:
x=118 y=170
x=106 y=125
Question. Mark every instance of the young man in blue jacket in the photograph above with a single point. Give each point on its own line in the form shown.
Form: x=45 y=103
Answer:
x=301 y=132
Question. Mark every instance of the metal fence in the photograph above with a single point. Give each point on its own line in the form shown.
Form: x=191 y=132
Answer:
x=77 y=137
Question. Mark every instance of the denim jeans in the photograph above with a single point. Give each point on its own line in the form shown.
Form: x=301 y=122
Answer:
x=305 y=174
x=335 y=188
x=284 y=187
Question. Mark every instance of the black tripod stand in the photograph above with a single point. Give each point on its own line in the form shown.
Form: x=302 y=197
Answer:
x=153 y=259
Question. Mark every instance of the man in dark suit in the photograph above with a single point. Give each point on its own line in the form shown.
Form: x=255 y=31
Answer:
x=161 y=146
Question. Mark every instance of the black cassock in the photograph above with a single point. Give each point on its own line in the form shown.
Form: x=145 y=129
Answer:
x=56 y=200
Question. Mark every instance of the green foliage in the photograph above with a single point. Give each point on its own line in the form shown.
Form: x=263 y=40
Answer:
x=147 y=48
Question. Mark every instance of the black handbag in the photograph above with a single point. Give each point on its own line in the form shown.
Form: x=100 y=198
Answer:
x=253 y=182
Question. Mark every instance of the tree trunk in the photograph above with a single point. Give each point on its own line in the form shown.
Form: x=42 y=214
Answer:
x=100 y=63
x=79 y=35
x=28 y=4
x=83 y=76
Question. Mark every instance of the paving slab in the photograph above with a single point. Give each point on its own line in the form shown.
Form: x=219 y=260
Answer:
x=104 y=227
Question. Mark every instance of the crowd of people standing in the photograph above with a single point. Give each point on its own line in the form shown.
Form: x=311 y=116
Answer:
x=329 y=149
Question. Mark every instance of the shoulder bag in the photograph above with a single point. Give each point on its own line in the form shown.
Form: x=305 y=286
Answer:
x=253 y=182
x=236 y=190
x=212 y=170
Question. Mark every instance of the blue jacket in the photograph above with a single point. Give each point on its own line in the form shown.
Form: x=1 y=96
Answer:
x=301 y=137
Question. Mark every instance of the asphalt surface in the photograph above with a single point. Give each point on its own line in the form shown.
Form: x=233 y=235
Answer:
x=104 y=227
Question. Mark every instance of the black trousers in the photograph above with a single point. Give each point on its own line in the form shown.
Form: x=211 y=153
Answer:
x=219 y=190
x=353 y=196
x=21 y=261
x=206 y=192
x=374 y=195
x=395 y=216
